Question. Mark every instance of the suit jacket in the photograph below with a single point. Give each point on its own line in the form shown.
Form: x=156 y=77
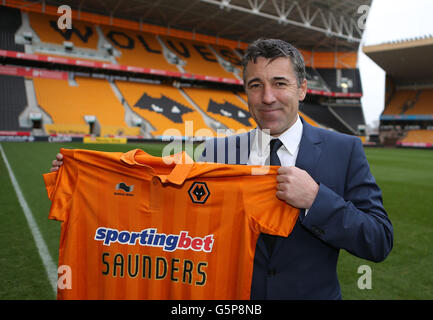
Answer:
x=347 y=214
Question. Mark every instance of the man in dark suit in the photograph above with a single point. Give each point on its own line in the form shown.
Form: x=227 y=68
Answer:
x=326 y=174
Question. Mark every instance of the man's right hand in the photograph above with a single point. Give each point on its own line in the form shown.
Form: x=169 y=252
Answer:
x=57 y=163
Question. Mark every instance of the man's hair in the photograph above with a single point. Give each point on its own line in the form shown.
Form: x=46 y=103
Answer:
x=273 y=49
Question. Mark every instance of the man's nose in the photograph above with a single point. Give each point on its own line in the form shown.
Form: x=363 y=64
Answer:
x=268 y=95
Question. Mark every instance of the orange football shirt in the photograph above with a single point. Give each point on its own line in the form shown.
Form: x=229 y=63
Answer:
x=135 y=226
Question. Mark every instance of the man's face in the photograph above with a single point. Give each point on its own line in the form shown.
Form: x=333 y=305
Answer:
x=273 y=93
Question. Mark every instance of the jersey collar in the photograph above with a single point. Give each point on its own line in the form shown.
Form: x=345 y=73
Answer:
x=180 y=162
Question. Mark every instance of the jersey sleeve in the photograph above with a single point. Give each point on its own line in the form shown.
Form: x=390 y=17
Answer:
x=60 y=186
x=266 y=212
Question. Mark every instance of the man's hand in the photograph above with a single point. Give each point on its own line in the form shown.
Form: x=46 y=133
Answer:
x=57 y=163
x=296 y=187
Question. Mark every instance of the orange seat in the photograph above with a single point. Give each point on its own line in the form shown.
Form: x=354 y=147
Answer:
x=424 y=104
x=199 y=58
x=68 y=104
x=419 y=136
x=83 y=34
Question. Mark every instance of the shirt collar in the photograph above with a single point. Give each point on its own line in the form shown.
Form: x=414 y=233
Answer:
x=291 y=138
x=180 y=163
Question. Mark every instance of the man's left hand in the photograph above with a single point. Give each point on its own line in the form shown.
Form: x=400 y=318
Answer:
x=296 y=187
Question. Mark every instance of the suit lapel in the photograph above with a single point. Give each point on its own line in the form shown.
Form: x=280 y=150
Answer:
x=309 y=152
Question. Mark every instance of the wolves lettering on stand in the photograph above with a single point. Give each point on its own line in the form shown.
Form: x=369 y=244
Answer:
x=127 y=42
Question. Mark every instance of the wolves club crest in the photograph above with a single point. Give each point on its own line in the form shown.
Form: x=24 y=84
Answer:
x=199 y=192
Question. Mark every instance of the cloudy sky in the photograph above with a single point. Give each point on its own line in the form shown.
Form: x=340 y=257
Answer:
x=389 y=20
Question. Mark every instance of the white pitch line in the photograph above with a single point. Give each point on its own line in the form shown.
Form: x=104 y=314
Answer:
x=49 y=265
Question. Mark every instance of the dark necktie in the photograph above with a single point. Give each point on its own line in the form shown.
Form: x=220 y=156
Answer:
x=275 y=144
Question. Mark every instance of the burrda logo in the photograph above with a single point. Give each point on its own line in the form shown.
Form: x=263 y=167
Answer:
x=122 y=189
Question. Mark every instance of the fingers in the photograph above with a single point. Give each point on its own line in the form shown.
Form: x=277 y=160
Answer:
x=286 y=174
x=296 y=187
x=55 y=164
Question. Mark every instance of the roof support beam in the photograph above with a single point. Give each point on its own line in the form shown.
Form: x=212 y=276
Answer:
x=285 y=12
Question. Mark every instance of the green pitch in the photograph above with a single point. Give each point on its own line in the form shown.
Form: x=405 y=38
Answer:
x=405 y=177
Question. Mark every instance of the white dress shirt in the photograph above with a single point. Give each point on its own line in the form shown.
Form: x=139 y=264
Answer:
x=288 y=152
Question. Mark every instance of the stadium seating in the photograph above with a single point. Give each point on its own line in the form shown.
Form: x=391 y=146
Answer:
x=68 y=105
x=323 y=116
x=198 y=56
x=424 y=103
x=410 y=102
x=10 y=21
x=336 y=78
x=400 y=102
x=137 y=49
x=164 y=107
x=418 y=136
x=12 y=102
x=352 y=115
x=229 y=56
x=82 y=34
x=222 y=106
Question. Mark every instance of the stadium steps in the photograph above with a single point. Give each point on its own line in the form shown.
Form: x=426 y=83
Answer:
x=133 y=119
x=215 y=125
x=352 y=116
x=137 y=48
x=69 y=105
x=199 y=58
x=223 y=106
x=323 y=116
x=33 y=108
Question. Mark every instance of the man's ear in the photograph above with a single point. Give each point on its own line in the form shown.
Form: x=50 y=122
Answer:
x=303 y=90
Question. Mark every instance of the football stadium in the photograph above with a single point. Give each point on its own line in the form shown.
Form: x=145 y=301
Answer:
x=119 y=75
